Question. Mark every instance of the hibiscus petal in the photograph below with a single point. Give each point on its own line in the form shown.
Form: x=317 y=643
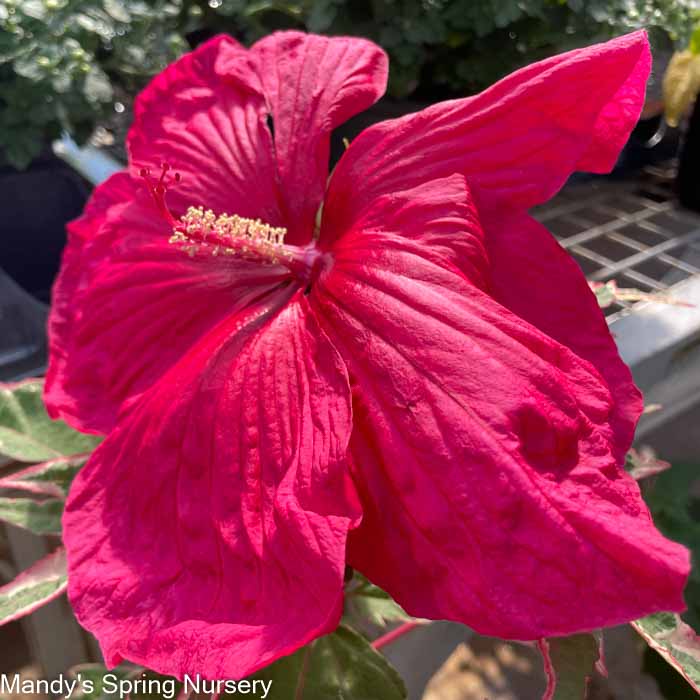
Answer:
x=439 y=214
x=534 y=277
x=212 y=130
x=516 y=142
x=483 y=455
x=312 y=85
x=127 y=304
x=207 y=533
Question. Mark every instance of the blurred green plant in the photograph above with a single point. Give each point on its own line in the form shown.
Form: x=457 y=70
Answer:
x=460 y=46
x=60 y=61
x=674 y=500
x=65 y=63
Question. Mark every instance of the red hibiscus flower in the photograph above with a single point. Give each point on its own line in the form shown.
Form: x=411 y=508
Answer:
x=418 y=382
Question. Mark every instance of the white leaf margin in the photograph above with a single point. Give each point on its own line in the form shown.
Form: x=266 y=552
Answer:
x=48 y=575
x=679 y=645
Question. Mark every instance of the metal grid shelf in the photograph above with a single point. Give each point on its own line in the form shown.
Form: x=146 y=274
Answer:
x=633 y=232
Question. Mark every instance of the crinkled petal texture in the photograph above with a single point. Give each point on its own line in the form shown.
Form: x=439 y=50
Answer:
x=313 y=84
x=127 y=304
x=207 y=533
x=207 y=116
x=212 y=129
x=476 y=475
x=516 y=142
x=534 y=277
x=483 y=448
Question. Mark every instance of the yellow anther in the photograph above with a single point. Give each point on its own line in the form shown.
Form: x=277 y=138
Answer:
x=202 y=230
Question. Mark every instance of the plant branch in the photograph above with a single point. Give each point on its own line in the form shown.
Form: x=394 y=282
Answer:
x=392 y=636
x=549 y=672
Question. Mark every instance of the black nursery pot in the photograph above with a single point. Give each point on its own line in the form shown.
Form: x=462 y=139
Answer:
x=688 y=178
x=37 y=203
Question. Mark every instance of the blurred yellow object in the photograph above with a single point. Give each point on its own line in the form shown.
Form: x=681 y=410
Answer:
x=681 y=84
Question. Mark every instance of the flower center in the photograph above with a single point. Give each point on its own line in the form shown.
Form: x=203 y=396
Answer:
x=201 y=232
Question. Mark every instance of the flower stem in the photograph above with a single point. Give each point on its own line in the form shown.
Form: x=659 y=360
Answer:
x=549 y=672
x=392 y=636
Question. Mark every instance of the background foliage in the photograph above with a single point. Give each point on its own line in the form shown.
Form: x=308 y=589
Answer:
x=66 y=64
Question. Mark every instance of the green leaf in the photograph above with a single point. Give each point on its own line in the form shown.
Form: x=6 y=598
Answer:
x=321 y=15
x=39 y=517
x=27 y=434
x=155 y=686
x=604 y=293
x=20 y=154
x=674 y=501
x=96 y=23
x=675 y=641
x=52 y=478
x=291 y=9
x=91 y=679
x=35 y=9
x=569 y=663
x=35 y=587
x=643 y=463
x=341 y=665
x=694 y=45
x=126 y=680
x=681 y=84
x=117 y=10
x=365 y=602
x=97 y=87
